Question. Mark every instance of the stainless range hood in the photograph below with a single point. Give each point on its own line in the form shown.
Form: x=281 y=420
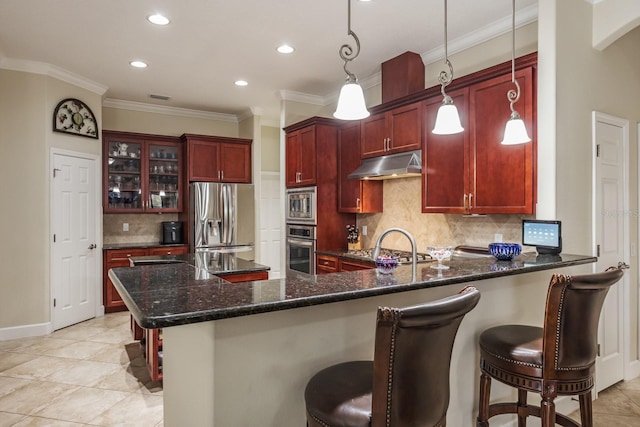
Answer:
x=399 y=165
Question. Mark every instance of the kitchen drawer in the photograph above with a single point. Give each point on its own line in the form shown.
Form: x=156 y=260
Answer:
x=327 y=264
x=355 y=265
x=122 y=255
x=171 y=250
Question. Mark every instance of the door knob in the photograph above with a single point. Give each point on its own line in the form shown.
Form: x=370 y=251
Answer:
x=92 y=246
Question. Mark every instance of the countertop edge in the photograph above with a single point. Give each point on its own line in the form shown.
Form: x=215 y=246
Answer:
x=177 y=319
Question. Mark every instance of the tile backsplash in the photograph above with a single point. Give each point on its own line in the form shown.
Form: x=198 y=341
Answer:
x=402 y=208
x=143 y=228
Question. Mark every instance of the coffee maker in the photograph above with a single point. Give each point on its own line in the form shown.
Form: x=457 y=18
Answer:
x=171 y=232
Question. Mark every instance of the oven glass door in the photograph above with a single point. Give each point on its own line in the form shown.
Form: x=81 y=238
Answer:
x=301 y=255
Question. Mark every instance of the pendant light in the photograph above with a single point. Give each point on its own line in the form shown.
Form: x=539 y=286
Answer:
x=351 y=105
x=515 y=131
x=447 y=119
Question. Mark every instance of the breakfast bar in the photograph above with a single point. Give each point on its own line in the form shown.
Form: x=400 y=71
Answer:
x=241 y=353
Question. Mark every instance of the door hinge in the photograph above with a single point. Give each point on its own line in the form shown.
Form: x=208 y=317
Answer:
x=54 y=303
x=597 y=150
x=598 y=251
x=598 y=350
x=56 y=170
x=54 y=238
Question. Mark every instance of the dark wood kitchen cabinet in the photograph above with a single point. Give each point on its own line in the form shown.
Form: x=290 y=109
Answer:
x=111 y=259
x=312 y=145
x=301 y=161
x=472 y=172
x=331 y=264
x=141 y=173
x=355 y=195
x=393 y=131
x=218 y=159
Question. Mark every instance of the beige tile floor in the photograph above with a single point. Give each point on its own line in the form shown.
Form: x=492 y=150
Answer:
x=93 y=374
x=89 y=374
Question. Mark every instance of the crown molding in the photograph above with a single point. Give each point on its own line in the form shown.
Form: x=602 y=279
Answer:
x=58 y=73
x=172 y=111
x=290 y=95
x=497 y=28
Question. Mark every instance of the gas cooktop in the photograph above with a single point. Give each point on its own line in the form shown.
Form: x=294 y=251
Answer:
x=401 y=256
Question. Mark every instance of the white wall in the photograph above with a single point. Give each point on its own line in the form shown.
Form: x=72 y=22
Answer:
x=585 y=80
x=26 y=136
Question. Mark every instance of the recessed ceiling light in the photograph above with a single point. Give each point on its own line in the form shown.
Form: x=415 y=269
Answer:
x=138 y=64
x=158 y=19
x=241 y=83
x=285 y=48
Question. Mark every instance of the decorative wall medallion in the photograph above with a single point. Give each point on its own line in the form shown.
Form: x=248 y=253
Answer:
x=75 y=117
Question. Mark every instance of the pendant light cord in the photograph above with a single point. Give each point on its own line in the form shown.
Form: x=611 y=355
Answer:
x=513 y=95
x=445 y=78
x=346 y=51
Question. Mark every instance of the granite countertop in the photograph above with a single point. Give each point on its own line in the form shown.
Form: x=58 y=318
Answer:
x=137 y=245
x=167 y=295
x=211 y=262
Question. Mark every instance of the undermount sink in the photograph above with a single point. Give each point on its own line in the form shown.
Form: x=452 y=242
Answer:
x=464 y=251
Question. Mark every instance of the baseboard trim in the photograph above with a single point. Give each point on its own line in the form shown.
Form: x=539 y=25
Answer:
x=26 y=331
x=633 y=370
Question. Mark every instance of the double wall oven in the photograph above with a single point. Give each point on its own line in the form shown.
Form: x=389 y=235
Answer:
x=301 y=230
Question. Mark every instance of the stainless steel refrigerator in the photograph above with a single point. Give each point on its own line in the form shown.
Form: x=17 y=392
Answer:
x=222 y=218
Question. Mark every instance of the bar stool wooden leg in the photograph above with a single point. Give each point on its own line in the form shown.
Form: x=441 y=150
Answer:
x=586 y=411
x=548 y=406
x=523 y=409
x=483 y=403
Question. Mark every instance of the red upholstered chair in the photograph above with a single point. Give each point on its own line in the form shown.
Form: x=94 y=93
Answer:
x=407 y=383
x=556 y=359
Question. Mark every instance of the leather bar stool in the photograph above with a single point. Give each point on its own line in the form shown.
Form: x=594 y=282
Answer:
x=407 y=383
x=556 y=359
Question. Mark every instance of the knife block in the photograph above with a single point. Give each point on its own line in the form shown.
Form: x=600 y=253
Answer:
x=355 y=246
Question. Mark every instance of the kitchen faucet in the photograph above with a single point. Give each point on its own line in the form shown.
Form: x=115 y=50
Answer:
x=414 y=251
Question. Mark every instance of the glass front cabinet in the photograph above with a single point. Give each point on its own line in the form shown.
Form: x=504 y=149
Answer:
x=142 y=173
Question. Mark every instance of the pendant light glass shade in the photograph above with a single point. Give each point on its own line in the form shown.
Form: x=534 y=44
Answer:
x=447 y=120
x=351 y=105
x=515 y=132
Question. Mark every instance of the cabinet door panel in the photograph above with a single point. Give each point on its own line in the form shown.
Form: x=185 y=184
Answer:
x=308 y=156
x=292 y=158
x=236 y=163
x=405 y=128
x=503 y=173
x=355 y=195
x=124 y=183
x=446 y=160
x=374 y=134
x=204 y=161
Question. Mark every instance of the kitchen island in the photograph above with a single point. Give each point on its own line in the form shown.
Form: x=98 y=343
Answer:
x=241 y=353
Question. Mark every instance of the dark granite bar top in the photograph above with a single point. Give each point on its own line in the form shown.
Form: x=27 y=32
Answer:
x=167 y=295
x=139 y=245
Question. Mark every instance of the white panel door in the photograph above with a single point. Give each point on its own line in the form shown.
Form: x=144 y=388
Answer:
x=610 y=228
x=270 y=224
x=74 y=265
